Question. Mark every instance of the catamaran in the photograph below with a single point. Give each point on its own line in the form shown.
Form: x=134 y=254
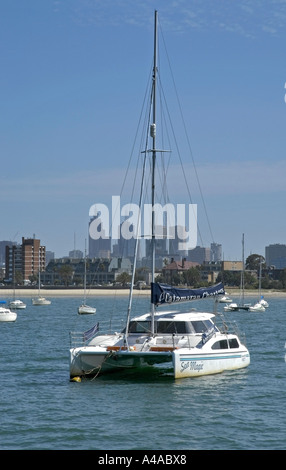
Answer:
x=187 y=343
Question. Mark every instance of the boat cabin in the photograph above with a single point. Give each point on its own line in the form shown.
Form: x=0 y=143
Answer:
x=179 y=323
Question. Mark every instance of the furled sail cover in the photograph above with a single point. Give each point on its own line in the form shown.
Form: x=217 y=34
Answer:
x=164 y=294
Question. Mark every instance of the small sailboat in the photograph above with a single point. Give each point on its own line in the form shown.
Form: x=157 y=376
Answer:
x=6 y=315
x=225 y=299
x=233 y=306
x=18 y=304
x=40 y=300
x=85 y=309
x=261 y=304
x=188 y=343
x=258 y=307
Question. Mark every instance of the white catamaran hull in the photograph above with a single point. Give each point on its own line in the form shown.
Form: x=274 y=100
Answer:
x=205 y=359
x=189 y=364
x=96 y=360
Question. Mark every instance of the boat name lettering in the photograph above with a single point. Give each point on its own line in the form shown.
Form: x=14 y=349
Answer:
x=191 y=365
x=169 y=297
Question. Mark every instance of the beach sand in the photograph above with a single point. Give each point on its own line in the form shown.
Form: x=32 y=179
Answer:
x=8 y=293
x=4 y=293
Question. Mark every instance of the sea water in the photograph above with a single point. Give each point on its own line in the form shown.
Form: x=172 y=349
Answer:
x=40 y=408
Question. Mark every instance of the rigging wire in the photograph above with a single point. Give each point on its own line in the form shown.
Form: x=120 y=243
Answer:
x=186 y=134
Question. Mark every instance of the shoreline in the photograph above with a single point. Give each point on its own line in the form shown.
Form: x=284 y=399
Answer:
x=70 y=292
x=9 y=293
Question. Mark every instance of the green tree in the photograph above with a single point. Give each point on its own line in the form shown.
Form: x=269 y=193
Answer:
x=123 y=278
x=253 y=262
x=192 y=276
x=18 y=277
x=66 y=273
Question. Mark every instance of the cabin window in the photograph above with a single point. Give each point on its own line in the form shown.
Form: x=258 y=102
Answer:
x=139 y=327
x=209 y=324
x=233 y=343
x=222 y=344
x=171 y=327
x=199 y=326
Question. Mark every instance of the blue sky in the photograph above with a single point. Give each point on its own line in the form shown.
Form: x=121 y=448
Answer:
x=73 y=75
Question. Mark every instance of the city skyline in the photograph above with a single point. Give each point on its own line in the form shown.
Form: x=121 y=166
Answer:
x=73 y=81
x=274 y=254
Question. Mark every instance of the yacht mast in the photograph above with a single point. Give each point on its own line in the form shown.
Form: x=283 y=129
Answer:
x=153 y=135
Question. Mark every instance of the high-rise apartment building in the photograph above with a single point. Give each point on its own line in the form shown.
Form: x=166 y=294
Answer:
x=27 y=259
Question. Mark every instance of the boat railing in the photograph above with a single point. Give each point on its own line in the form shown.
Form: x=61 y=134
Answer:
x=82 y=338
x=77 y=339
x=230 y=326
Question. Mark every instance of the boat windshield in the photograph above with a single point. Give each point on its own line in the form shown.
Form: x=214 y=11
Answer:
x=170 y=327
x=201 y=326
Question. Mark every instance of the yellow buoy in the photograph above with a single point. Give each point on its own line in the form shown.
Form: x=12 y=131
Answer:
x=76 y=379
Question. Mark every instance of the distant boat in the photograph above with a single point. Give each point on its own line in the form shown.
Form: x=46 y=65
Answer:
x=6 y=314
x=40 y=300
x=17 y=304
x=225 y=299
x=263 y=302
x=260 y=304
x=257 y=308
x=234 y=307
x=85 y=309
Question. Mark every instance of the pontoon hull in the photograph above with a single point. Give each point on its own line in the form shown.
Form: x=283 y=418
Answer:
x=96 y=360
x=189 y=364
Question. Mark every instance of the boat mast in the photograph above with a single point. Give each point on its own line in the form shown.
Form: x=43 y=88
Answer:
x=243 y=269
x=153 y=135
x=153 y=150
x=84 y=280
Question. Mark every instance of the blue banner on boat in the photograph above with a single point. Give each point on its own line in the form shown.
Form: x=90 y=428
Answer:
x=164 y=294
x=90 y=333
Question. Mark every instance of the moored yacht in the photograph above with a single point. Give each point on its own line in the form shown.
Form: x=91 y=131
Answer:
x=18 y=304
x=6 y=315
x=41 y=301
x=189 y=344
